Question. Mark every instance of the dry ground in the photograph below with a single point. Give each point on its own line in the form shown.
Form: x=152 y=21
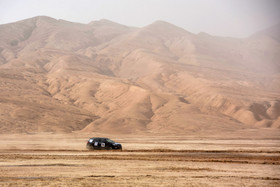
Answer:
x=61 y=160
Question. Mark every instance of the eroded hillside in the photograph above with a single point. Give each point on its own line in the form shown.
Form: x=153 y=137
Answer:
x=59 y=76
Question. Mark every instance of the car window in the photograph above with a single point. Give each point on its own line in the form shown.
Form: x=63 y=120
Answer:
x=110 y=141
x=96 y=139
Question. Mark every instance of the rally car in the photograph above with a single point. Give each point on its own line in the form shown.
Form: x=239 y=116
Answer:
x=102 y=144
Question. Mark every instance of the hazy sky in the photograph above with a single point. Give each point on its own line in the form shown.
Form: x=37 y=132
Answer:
x=237 y=18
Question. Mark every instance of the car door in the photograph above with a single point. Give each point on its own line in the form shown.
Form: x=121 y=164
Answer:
x=108 y=144
x=96 y=143
x=103 y=143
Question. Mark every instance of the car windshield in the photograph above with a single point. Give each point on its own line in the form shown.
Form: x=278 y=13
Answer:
x=110 y=141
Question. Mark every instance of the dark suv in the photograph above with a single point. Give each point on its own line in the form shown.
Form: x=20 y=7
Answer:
x=103 y=143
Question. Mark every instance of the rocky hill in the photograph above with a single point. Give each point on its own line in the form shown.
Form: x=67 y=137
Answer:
x=59 y=76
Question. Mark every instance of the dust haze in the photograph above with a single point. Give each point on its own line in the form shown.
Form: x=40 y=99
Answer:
x=194 y=108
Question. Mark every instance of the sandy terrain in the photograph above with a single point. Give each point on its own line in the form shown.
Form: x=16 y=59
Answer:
x=62 y=160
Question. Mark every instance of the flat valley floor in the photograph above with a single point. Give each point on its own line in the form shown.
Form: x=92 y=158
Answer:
x=62 y=160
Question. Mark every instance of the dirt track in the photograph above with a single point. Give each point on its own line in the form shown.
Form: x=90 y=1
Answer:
x=139 y=167
x=55 y=160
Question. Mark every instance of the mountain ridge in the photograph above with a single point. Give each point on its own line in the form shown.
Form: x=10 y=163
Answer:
x=107 y=77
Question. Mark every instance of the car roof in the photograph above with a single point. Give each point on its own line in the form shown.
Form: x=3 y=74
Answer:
x=97 y=138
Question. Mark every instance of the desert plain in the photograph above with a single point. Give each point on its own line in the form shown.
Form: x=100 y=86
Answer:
x=63 y=160
x=189 y=109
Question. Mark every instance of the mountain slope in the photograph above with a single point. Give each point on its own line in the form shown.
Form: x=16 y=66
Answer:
x=60 y=76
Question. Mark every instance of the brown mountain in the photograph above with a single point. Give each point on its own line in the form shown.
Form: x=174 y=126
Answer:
x=59 y=76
